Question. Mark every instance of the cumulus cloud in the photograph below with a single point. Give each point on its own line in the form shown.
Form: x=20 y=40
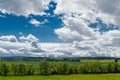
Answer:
x=79 y=49
x=78 y=14
x=37 y=23
x=24 y=7
x=102 y=46
x=105 y=45
x=25 y=46
x=109 y=13
x=91 y=9
x=86 y=9
x=30 y=37
x=10 y=38
x=75 y=29
x=111 y=38
x=3 y=50
x=73 y=6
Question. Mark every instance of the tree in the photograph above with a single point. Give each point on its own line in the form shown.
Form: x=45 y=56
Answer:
x=44 y=68
x=21 y=70
x=4 y=69
x=29 y=70
x=13 y=69
x=64 y=68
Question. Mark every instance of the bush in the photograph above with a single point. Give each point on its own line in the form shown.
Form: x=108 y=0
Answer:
x=64 y=68
x=29 y=70
x=4 y=69
x=21 y=70
x=76 y=69
x=104 y=68
x=13 y=69
x=45 y=68
x=112 y=67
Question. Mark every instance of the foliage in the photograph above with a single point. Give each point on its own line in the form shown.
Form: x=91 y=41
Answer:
x=4 y=69
x=58 y=68
x=45 y=68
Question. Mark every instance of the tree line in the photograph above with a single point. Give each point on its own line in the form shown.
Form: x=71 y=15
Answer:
x=58 y=68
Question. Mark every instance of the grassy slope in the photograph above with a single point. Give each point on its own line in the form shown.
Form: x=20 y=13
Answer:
x=65 y=77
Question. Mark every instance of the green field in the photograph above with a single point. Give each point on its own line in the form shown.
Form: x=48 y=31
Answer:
x=37 y=62
x=65 y=77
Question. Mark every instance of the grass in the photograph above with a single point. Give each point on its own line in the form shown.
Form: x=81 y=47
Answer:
x=65 y=77
x=102 y=61
x=81 y=61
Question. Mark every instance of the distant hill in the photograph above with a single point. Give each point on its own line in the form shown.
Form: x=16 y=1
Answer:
x=56 y=58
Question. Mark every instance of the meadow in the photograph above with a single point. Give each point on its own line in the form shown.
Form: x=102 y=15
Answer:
x=65 y=77
x=78 y=62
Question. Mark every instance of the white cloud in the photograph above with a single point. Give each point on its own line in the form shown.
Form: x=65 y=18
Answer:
x=82 y=49
x=78 y=14
x=106 y=45
x=30 y=37
x=10 y=38
x=109 y=13
x=86 y=9
x=28 y=46
x=73 y=6
x=110 y=8
x=3 y=50
x=111 y=38
x=24 y=7
x=91 y=9
x=75 y=29
x=35 y=22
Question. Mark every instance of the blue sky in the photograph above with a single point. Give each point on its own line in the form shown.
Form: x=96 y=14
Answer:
x=43 y=28
x=13 y=25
